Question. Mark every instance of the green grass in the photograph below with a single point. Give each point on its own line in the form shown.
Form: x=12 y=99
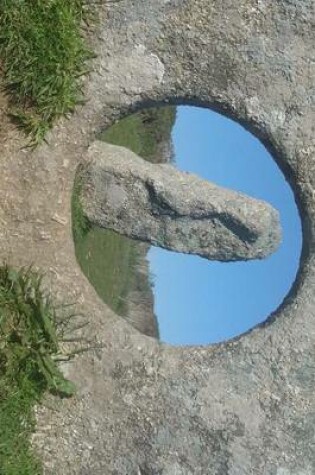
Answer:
x=105 y=257
x=109 y=260
x=143 y=132
x=80 y=223
x=42 y=56
x=17 y=399
x=29 y=342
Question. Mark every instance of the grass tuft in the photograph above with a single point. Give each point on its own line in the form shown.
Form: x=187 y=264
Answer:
x=43 y=57
x=29 y=338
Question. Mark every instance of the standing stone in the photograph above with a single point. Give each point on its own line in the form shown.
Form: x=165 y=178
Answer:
x=174 y=210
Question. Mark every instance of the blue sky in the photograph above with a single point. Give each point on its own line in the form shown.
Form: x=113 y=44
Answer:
x=198 y=301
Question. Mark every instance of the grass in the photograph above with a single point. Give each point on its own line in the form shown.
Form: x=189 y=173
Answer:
x=29 y=344
x=43 y=57
x=17 y=424
x=105 y=257
x=143 y=132
x=80 y=223
x=109 y=260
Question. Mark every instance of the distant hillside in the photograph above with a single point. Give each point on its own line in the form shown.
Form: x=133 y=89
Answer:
x=147 y=133
x=117 y=266
x=140 y=298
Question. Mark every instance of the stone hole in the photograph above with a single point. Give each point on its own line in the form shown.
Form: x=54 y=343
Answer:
x=180 y=298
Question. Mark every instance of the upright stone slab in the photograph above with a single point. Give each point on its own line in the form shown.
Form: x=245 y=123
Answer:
x=175 y=210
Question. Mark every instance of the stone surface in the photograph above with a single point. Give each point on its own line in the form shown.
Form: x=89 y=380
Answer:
x=246 y=407
x=173 y=209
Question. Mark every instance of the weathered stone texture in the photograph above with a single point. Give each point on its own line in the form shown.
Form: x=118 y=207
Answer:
x=245 y=407
x=173 y=209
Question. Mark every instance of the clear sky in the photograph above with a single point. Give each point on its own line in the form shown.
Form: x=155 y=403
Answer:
x=198 y=301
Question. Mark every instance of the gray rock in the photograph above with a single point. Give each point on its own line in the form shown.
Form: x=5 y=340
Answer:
x=175 y=210
x=243 y=407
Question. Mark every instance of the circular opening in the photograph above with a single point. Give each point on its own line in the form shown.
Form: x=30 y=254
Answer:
x=179 y=298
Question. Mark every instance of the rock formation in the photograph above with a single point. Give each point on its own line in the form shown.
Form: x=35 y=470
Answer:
x=174 y=210
x=244 y=407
